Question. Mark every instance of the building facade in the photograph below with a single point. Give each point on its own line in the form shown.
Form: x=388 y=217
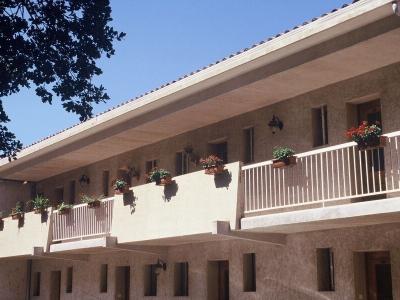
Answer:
x=326 y=227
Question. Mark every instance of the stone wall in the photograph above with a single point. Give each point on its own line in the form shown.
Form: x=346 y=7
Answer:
x=283 y=272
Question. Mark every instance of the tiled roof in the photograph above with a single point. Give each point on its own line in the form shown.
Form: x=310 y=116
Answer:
x=197 y=71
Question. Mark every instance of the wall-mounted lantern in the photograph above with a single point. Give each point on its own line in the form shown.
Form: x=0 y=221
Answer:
x=275 y=124
x=84 y=180
x=161 y=265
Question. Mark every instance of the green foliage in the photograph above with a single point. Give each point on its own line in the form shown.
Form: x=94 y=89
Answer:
x=90 y=199
x=19 y=208
x=40 y=202
x=120 y=184
x=282 y=153
x=157 y=174
x=64 y=206
x=53 y=46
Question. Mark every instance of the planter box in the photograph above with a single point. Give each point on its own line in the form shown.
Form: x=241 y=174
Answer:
x=17 y=216
x=122 y=191
x=214 y=170
x=39 y=210
x=65 y=211
x=374 y=144
x=94 y=204
x=281 y=163
x=165 y=181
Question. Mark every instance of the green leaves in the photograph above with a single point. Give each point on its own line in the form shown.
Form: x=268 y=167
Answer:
x=54 y=46
x=282 y=153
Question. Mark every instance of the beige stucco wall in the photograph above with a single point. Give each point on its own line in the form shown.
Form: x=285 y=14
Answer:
x=295 y=113
x=283 y=272
x=187 y=207
x=13 y=277
x=20 y=237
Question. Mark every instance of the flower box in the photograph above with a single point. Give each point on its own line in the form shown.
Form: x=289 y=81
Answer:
x=94 y=204
x=64 y=211
x=214 y=170
x=281 y=163
x=378 y=142
x=122 y=190
x=39 y=210
x=167 y=180
x=17 y=216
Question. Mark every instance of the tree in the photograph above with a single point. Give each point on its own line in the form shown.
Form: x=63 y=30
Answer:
x=53 y=46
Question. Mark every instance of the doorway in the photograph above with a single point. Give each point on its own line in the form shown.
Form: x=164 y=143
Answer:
x=122 y=282
x=218 y=280
x=219 y=149
x=373 y=276
x=55 y=285
x=372 y=172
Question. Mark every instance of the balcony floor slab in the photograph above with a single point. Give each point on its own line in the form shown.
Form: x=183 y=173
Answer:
x=341 y=216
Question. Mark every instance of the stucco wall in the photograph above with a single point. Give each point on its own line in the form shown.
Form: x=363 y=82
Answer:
x=20 y=237
x=283 y=272
x=189 y=206
x=295 y=113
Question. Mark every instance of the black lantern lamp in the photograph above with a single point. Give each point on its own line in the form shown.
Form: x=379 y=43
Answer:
x=275 y=124
x=161 y=264
x=84 y=180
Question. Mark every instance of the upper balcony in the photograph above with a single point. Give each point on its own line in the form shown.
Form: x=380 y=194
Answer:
x=309 y=194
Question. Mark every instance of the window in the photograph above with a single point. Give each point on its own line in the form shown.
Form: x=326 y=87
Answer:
x=36 y=284
x=220 y=149
x=325 y=270
x=182 y=163
x=320 y=126
x=72 y=192
x=106 y=183
x=150 y=280
x=181 y=279
x=248 y=145
x=150 y=165
x=59 y=195
x=103 y=278
x=69 y=280
x=249 y=272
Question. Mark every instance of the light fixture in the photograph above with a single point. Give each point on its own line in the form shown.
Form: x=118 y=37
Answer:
x=84 y=180
x=275 y=124
x=161 y=264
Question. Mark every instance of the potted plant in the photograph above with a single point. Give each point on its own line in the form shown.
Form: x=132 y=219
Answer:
x=92 y=202
x=160 y=176
x=367 y=136
x=282 y=157
x=212 y=165
x=64 y=208
x=17 y=213
x=120 y=186
x=40 y=204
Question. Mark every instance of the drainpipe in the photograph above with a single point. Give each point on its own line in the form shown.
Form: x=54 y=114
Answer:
x=28 y=279
x=396 y=7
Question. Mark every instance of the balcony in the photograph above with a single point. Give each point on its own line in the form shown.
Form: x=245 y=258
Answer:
x=320 y=182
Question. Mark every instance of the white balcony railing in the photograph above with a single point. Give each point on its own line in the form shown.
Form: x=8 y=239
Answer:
x=82 y=222
x=329 y=174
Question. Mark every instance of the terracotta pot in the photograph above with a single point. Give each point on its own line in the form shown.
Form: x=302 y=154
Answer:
x=281 y=163
x=373 y=143
x=17 y=216
x=214 y=170
x=124 y=190
x=94 y=204
x=165 y=181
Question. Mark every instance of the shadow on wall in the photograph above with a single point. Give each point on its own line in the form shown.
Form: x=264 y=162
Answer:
x=130 y=199
x=223 y=180
x=170 y=191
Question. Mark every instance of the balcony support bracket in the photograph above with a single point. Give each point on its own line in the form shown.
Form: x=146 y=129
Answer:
x=223 y=228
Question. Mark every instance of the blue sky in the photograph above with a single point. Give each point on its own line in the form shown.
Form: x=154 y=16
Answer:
x=166 y=39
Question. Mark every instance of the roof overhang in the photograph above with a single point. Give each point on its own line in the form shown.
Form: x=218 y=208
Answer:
x=268 y=73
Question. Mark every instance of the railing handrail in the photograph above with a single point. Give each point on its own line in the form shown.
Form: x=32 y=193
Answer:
x=316 y=151
x=83 y=204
